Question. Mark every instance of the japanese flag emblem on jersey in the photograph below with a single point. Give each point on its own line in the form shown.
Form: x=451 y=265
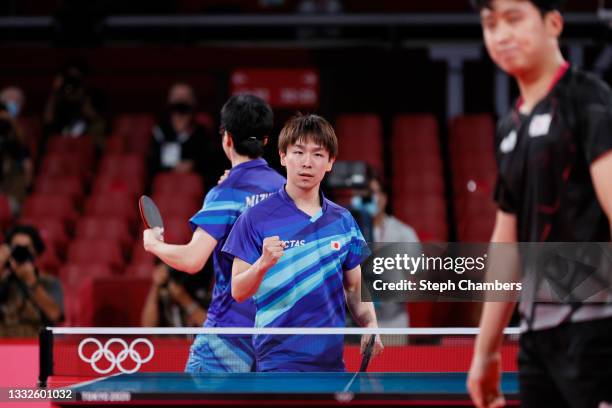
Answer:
x=335 y=245
x=540 y=125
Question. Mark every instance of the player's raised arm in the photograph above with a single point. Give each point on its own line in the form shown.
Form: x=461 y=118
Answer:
x=246 y=278
x=188 y=258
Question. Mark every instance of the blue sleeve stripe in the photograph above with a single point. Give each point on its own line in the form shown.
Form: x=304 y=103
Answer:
x=223 y=205
x=213 y=219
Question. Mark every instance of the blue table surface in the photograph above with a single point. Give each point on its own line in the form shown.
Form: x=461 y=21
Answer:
x=290 y=383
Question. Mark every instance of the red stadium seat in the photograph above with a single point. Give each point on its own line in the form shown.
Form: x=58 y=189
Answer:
x=205 y=119
x=136 y=129
x=475 y=214
x=177 y=230
x=425 y=213
x=115 y=205
x=49 y=261
x=72 y=277
x=99 y=251
x=471 y=150
x=112 y=302
x=361 y=139
x=6 y=215
x=58 y=206
x=68 y=185
x=32 y=129
x=418 y=133
x=472 y=133
x=140 y=256
x=66 y=164
x=52 y=231
x=73 y=274
x=176 y=206
x=96 y=227
x=425 y=182
x=130 y=123
x=126 y=165
x=172 y=183
x=143 y=270
x=118 y=183
x=474 y=173
x=115 y=144
x=77 y=146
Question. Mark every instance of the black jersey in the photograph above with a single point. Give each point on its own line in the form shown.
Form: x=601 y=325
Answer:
x=544 y=162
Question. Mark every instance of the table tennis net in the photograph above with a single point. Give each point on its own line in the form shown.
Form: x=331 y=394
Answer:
x=84 y=353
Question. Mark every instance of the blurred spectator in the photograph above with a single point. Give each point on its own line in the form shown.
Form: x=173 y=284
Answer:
x=16 y=167
x=179 y=142
x=13 y=98
x=29 y=298
x=176 y=299
x=73 y=109
x=388 y=229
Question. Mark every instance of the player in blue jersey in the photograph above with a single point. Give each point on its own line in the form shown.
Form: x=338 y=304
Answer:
x=246 y=123
x=297 y=256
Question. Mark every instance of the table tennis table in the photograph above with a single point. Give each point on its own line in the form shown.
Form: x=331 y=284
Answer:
x=320 y=389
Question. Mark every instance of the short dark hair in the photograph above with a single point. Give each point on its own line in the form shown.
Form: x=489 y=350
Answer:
x=543 y=5
x=248 y=119
x=309 y=127
x=32 y=232
x=377 y=176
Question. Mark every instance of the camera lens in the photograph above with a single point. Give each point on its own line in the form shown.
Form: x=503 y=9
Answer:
x=21 y=254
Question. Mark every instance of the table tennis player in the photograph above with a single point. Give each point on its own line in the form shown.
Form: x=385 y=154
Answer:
x=297 y=255
x=246 y=122
x=554 y=155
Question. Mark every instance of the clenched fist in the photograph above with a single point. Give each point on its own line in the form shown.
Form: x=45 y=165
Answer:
x=272 y=249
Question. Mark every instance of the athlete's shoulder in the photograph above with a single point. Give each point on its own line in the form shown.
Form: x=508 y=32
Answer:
x=338 y=211
x=214 y=193
x=272 y=172
x=587 y=88
x=265 y=207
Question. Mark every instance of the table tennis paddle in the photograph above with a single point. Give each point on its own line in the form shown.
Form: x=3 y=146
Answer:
x=365 y=361
x=149 y=213
x=367 y=354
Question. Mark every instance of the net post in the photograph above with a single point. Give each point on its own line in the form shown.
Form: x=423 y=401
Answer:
x=45 y=356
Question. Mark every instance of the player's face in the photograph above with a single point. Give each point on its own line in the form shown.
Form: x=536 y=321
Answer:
x=517 y=36
x=306 y=163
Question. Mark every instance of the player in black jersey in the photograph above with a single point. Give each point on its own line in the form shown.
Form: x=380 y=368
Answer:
x=554 y=152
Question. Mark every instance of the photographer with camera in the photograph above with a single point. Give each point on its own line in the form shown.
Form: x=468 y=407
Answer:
x=176 y=299
x=29 y=298
x=73 y=109
x=16 y=167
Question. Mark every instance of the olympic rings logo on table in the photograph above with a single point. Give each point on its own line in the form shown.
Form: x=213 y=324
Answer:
x=105 y=352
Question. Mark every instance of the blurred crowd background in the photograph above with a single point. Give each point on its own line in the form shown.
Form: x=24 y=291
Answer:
x=102 y=101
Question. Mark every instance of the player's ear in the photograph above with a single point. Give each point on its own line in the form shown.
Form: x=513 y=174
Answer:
x=283 y=157
x=554 y=23
x=265 y=140
x=330 y=164
x=227 y=140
